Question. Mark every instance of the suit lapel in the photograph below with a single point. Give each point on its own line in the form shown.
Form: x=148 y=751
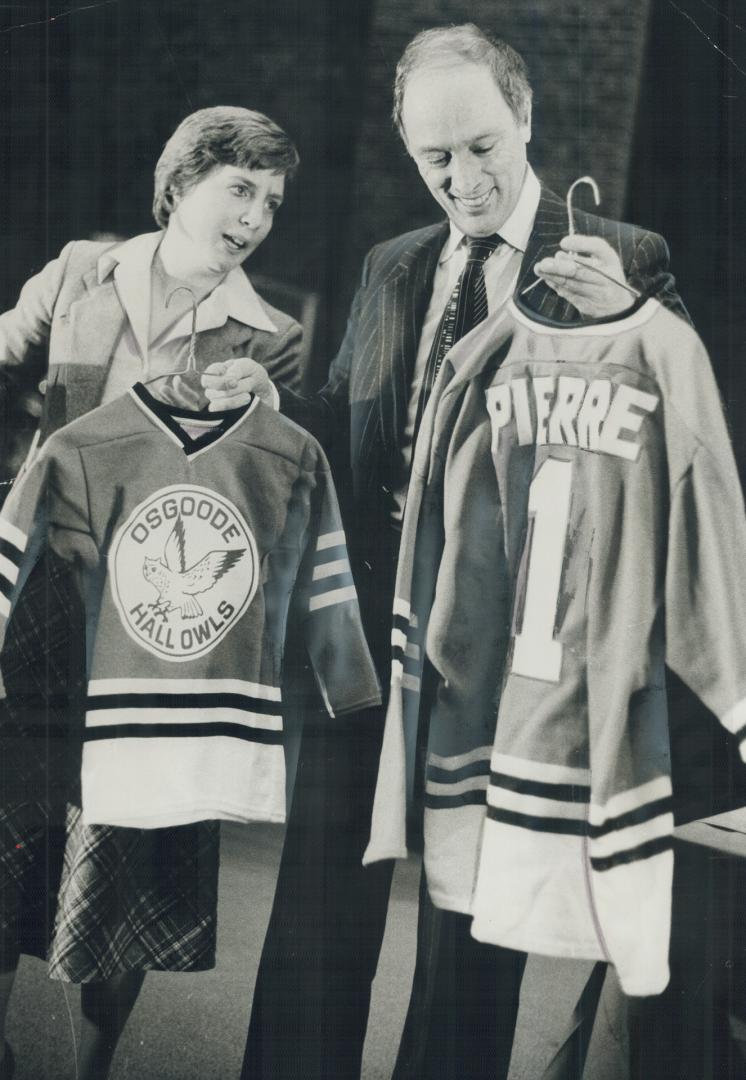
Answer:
x=550 y=225
x=403 y=298
x=405 y=293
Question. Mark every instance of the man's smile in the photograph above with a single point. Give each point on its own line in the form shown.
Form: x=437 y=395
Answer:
x=473 y=203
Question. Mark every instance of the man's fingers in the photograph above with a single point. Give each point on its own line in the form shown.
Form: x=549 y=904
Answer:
x=577 y=269
x=581 y=274
x=574 y=271
x=588 y=245
x=573 y=288
x=592 y=251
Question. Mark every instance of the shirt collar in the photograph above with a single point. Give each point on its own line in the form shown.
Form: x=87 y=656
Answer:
x=233 y=298
x=517 y=229
x=236 y=298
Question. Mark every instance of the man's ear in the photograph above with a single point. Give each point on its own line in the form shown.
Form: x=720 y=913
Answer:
x=526 y=125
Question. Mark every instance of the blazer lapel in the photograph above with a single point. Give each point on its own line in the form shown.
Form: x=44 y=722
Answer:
x=233 y=338
x=403 y=298
x=96 y=321
x=550 y=225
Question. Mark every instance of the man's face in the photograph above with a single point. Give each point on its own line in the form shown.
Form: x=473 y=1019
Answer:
x=468 y=146
x=227 y=214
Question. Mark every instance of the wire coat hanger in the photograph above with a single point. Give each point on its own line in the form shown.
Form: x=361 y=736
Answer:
x=572 y=231
x=190 y=375
x=568 y=199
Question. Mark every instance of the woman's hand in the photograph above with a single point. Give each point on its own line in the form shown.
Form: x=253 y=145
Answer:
x=229 y=384
x=32 y=401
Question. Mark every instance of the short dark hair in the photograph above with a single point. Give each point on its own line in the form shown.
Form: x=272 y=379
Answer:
x=450 y=45
x=222 y=135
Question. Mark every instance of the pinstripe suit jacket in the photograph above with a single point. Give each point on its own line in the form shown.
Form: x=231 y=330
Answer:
x=361 y=412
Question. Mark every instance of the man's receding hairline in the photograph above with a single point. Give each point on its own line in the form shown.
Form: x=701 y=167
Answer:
x=438 y=49
x=446 y=64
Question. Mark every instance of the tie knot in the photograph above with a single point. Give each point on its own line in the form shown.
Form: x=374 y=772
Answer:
x=480 y=248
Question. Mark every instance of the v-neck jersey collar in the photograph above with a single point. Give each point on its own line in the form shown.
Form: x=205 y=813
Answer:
x=171 y=417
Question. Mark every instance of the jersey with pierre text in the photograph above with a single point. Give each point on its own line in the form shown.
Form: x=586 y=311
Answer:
x=575 y=521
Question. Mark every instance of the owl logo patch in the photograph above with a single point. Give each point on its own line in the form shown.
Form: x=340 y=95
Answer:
x=184 y=568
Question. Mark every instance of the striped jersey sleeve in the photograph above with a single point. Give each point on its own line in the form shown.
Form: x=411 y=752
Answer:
x=326 y=600
x=706 y=589
x=48 y=502
x=705 y=583
x=13 y=544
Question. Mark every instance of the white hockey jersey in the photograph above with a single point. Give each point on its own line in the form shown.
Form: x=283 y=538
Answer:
x=575 y=520
x=195 y=539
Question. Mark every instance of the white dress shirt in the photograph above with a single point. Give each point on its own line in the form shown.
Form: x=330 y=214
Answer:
x=135 y=356
x=501 y=271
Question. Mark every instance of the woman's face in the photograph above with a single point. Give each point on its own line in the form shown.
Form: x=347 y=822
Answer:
x=226 y=215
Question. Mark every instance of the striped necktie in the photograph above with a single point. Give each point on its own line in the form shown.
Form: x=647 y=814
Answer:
x=466 y=308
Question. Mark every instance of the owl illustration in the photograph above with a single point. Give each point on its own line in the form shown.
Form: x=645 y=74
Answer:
x=178 y=586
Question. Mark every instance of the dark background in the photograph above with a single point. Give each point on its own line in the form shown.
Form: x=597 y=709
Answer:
x=646 y=95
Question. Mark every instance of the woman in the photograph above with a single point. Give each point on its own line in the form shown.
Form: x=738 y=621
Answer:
x=110 y=315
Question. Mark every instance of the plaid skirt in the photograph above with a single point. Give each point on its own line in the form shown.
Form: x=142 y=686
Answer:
x=95 y=900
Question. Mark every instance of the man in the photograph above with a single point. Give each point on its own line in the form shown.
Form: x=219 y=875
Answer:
x=462 y=104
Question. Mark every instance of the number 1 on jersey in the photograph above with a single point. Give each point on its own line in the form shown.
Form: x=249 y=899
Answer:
x=536 y=654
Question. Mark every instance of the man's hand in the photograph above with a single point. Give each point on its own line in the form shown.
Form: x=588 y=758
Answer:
x=572 y=276
x=229 y=384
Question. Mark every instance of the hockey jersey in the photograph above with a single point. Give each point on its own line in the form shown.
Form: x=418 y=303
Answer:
x=575 y=520
x=194 y=539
